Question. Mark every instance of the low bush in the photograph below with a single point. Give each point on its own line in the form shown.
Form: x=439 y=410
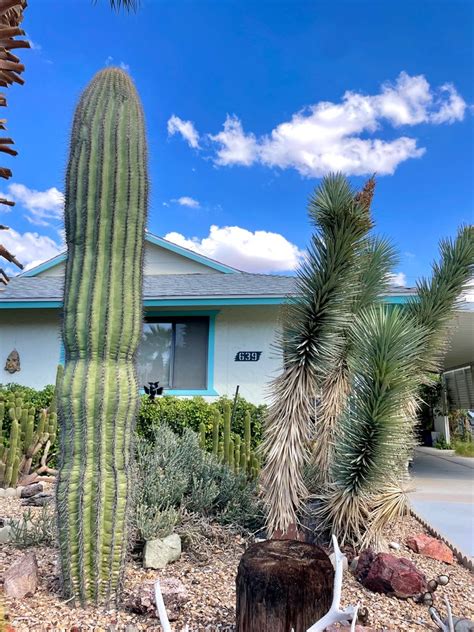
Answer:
x=441 y=444
x=174 y=476
x=180 y=414
x=34 y=530
x=464 y=448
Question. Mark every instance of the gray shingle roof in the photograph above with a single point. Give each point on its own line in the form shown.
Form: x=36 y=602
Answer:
x=172 y=286
x=165 y=286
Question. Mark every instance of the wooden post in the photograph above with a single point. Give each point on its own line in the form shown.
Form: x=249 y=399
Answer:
x=283 y=585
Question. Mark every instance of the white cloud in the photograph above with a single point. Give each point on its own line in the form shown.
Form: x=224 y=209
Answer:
x=187 y=201
x=236 y=148
x=398 y=278
x=343 y=136
x=259 y=251
x=44 y=207
x=30 y=249
x=186 y=129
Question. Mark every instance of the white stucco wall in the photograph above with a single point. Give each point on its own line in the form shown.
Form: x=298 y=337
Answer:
x=158 y=260
x=245 y=329
x=35 y=334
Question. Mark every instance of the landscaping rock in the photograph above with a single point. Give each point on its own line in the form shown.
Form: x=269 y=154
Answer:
x=40 y=500
x=160 y=552
x=358 y=628
x=10 y=492
x=2 y=492
x=364 y=562
x=394 y=576
x=5 y=534
x=394 y=545
x=31 y=490
x=142 y=599
x=431 y=547
x=21 y=579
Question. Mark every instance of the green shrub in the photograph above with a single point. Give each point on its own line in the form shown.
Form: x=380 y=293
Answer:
x=172 y=473
x=191 y=412
x=464 y=448
x=441 y=444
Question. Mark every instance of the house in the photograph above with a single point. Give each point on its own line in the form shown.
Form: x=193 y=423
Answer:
x=207 y=327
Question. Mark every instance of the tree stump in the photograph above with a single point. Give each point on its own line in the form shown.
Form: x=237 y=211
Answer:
x=283 y=585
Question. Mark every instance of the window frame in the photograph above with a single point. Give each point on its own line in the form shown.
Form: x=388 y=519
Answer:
x=211 y=314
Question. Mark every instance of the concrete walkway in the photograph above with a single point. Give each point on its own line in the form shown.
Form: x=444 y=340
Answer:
x=444 y=496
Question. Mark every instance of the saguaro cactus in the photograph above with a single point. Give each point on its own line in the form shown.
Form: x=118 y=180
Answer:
x=105 y=215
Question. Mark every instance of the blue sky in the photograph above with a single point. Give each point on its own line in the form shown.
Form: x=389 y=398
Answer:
x=247 y=104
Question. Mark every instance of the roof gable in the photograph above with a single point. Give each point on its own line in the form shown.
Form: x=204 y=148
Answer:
x=171 y=255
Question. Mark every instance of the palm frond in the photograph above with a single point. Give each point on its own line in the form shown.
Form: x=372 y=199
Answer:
x=327 y=283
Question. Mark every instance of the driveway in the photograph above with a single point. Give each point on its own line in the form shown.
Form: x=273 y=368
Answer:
x=444 y=496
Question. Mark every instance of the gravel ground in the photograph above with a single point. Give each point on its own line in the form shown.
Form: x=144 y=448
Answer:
x=211 y=587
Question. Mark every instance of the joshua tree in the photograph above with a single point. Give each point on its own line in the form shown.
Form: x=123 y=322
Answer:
x=105 y=215
x=362 y=361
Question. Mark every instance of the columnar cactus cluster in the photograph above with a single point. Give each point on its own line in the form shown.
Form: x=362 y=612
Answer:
x=31 y=433
x=105 y=215
x=233 y=450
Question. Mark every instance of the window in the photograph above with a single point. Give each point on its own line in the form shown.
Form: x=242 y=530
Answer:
x=174 y=351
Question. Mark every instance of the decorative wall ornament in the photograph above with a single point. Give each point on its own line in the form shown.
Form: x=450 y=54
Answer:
x=12 y=365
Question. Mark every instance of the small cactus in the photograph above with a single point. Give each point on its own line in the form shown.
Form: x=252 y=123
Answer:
x=202 y=435
x=215 y=432
x=227 y=433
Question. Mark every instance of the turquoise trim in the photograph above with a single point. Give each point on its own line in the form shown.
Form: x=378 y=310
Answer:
x=208 y=393
x=30 y=304
x=55 y=261
x=211 y=346
x=189 y=302
x=153 y=239
x=205 y=302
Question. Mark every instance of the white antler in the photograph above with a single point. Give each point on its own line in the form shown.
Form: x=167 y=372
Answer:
x=335 y=613
x=449 y=625
x=160 y=606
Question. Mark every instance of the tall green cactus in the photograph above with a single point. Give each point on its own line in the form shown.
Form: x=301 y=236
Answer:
x=227 y=432
x=105 y=216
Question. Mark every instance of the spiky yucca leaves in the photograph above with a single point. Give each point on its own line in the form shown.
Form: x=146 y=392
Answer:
x=437 y=297
x=376 y=259
x=373 y=435
x=105 y=215
x=327 y=283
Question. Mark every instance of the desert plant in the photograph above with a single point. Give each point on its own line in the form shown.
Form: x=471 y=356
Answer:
x=34 y=529
x=173 y=473
x=24 y=449
x=105 y=216
x=395 y=351
x=327 y=284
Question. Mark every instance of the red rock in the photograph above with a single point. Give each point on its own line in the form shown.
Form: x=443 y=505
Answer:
x=21 y=579
x=431 y=547
x=364 y=563
x=394 y=576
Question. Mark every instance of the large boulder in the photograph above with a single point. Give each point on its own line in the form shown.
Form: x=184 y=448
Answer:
x=430 y=547
x=21 y=579
x=160 y=552
x=391 y=575
x=142 y=599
